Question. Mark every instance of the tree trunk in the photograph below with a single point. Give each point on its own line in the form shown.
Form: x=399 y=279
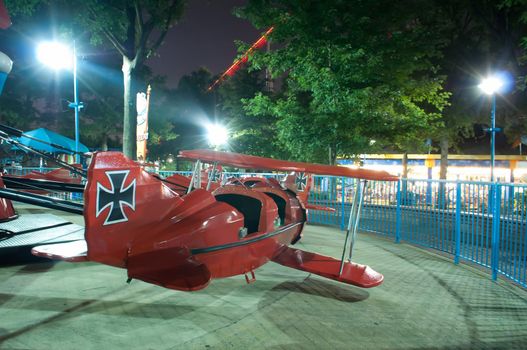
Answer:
x=405 y=165
x=104 y=142
x=128 y=119
x=442 y=190
x=332 y=155
x=443 y=144
x=405 y=196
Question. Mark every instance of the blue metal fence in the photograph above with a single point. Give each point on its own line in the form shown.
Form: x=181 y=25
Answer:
x=480 y=222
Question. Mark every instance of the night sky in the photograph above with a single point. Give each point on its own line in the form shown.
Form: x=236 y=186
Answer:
x=203 y=38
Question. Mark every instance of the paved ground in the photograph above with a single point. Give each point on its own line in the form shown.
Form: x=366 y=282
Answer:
x=426 y=302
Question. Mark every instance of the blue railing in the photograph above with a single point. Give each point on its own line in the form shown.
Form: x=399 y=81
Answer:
x=479 y=222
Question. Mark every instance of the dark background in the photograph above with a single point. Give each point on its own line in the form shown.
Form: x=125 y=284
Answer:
x=204 y=38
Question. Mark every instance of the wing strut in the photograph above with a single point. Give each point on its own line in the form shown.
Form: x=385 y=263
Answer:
x=196 y=176
x=212 y=175
x=353 y=223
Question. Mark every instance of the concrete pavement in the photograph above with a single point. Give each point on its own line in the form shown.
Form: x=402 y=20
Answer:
x=426 y=302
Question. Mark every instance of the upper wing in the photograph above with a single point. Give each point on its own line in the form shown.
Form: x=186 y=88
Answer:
x=253 y=162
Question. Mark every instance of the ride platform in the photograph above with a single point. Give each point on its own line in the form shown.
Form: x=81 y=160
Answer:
x=425 y=302
x=38 y=229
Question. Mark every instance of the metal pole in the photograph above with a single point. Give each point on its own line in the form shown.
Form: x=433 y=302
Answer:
x=343 y=208
x=195 y=174
x=398 y=212
x=357 y=217
x=458 y=224
x=493 y=136
x=76 y=103
x=351 y=222
x=212 y=174
x=495 y=249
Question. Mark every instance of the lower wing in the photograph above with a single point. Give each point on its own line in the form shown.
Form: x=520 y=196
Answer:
x=325 y=266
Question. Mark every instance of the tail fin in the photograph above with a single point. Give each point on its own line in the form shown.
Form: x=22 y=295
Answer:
x=300 y=183
x=122 y=202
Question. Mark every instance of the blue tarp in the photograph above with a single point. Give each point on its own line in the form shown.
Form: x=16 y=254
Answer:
x=51 y=137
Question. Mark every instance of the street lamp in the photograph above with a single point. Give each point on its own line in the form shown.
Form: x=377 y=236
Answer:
x=491 y=86
x=58 y=56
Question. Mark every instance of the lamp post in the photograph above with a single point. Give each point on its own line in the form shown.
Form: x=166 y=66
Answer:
x=59 y=56
x=491 y=86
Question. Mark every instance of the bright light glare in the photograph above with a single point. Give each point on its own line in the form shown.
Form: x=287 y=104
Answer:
x=491 y=85
x=217 y=134
x=55 y=55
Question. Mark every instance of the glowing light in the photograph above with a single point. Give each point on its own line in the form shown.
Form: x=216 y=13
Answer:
x=55 y=55
x=491 y=85
x=217 y=134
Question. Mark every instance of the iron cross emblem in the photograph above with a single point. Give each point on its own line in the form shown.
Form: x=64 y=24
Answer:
x=301 y=181
x=116 y=197
x=214 y=175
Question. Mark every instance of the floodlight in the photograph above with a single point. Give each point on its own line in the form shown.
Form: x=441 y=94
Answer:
x=55 y=55
x=491 y=85
x=217 y=134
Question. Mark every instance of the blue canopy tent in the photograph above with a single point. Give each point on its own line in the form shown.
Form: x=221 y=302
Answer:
x=51 y=137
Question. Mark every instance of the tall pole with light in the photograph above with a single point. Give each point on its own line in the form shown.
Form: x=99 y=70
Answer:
x=59 y=56
x=491 y=86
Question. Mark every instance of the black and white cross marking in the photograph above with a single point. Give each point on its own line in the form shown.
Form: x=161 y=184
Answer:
x=214 y=175
x=301 y=181
x=116 y=197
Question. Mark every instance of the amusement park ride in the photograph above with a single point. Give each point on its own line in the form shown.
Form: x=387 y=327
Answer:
x=181 y=232
x=183 y=239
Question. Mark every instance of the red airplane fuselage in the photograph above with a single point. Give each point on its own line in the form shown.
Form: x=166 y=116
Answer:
x=134 y=221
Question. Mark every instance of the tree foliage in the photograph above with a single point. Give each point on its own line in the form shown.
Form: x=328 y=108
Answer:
x=354 y=71
x=250 y=134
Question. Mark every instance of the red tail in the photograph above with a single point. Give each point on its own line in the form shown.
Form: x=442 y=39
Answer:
x=300 y=183
x=122 y=202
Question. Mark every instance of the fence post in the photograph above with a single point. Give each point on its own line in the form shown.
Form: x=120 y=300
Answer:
x=496 y=199
x=343 y=207
x=398 y=213
x=458 y=223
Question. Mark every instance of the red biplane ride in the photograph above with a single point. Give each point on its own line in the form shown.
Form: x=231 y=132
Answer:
x=134 y=220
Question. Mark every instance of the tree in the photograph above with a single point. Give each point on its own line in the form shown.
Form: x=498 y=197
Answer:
x=481 y=37
x=177 y=116
x=464 y=38
x=353 y=72
x=101 y=121
x=135 y=29
x=251 y=134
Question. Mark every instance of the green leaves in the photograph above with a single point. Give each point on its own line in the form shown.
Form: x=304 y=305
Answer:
x=353 y=71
